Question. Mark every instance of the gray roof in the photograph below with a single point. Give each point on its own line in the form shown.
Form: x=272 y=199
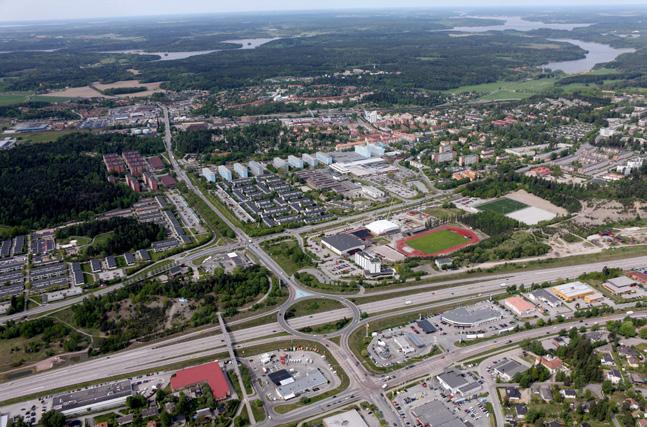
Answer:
x=510 y=368
x=77 y=399
x=300 y=385
x=453 y=378
x=464 y=316
x=622 y=281
x=343 y=241
x=436 y=414
x=544 y=294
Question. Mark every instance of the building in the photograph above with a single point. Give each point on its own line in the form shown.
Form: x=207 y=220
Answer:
x=363 y=151
x=111 y=262
x=256 y=168
x=324 y=158
x=209 y=175
x=468 y=159
x=350 y=418
x=150 y=181
x=464 y=317
x=133 y=183
x=520 y=306
x=506 y=369
x=93 y=399
x=571 y=291
x=381 y=227
x=542 y=295
x=435 y=413
x=225 y=173
x=241 y=170
x=309 y=159
x=114 y=163
x=404 y=345
x=279 y=163
x=426 y=326
x=372 y=192
x=376 y=150
x=295 y=162
x=553 y=364
x=443 y=157
x=369 y=263
x=168 y=181
x=309 y=381
x=458 y=383
x=343 y=243
x=209 y=373
x=622 y=285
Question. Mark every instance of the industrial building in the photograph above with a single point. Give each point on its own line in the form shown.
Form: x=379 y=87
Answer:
x=542 y=295
x=372 y=192
x=93 y=399
x=571 y=291
x=343 y=243
x=209 y=175
x=520 y=306
x=622 y=285
x=426 y=326
x=225 y=173
x=241 y=170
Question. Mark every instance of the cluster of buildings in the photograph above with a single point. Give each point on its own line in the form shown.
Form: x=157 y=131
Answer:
x=138 y=170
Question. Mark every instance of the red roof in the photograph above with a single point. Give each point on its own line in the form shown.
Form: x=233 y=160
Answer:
x=168 y=181
x=156 y=163
x=210 y=373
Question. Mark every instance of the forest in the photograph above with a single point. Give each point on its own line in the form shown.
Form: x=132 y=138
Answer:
x=65 y=180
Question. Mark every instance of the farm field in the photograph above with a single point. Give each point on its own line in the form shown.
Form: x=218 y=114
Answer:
x=502 y=206
x=503 y=90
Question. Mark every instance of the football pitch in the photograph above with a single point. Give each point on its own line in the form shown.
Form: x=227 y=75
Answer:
x=503 y=206
x=436 y=242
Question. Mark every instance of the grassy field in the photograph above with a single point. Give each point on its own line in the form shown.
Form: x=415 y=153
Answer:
x=502 y=206
x=313 y=306
x=288 y=254
x=438 y=241
x=12 y=99
x=44 y=137
x=503 y=90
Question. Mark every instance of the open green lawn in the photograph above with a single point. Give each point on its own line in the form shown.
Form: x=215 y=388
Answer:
x=503 y=90
x=12 y=99
x=438 y=241
x=502 y=206
x=312 y=306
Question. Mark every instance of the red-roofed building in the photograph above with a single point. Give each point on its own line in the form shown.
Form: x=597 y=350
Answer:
x=637 y=276
x=209 y=373
x=553 y=364
x=168 y=181
x=156 y=163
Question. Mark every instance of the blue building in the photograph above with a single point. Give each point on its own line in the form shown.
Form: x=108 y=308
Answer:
x=241 y=170
x=225 y=173
x=324 y=158
x=363 y=150
x=209 y=175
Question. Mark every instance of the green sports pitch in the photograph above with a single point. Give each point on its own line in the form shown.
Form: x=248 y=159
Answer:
x=436 y=242
x=503 y=206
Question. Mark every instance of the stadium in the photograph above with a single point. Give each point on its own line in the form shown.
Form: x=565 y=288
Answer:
x=439 y=241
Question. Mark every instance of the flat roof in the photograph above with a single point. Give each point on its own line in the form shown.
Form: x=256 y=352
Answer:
x=465 y=316
x=350 y=418
x=453 y=378
x=343 y=241
x=278 y=376
x=382 y=226
x=510 y=367
x=210 y=373
x=426 y=326
x=436 y=414
x=543 y=293
x=573 y=289
x=80 y=398
x=622 y=281
x=519 y=303
x=300 y=385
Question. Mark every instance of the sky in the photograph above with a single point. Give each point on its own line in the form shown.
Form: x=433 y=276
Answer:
x=29 y=10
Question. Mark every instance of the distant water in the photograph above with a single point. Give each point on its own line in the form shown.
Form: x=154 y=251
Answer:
x=516 y=23
x=172 y=56
x=597 y=53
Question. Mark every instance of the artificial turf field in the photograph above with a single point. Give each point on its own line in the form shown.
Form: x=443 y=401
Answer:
x=436 y=242
x=503 y=206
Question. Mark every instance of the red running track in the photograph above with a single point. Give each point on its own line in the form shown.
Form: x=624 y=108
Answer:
x=401 y=244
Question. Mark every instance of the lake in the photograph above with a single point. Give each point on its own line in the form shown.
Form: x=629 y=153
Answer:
x=172 y=56
x=596 y=53
x=515 y=23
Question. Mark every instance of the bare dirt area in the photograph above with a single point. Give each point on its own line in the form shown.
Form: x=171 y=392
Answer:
x=524 y=197
x=94 y=91
x=600 y=212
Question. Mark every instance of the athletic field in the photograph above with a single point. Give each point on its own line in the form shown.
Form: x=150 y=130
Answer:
x=502 y=206
x=439 y=241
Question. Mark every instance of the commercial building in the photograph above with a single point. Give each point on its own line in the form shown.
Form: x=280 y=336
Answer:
x=241 y=170
x=208 y=373
x=520 y=306
x=468 y=318
x=436 y=414
x=372 y=192
x=571 y=291
x=404 y=345
x=542 y=295
x=295 y=162
x=343 y=243
x=369 y=263
x=209 y=175
x=381 y=227
x=458 y=383
x=622 y=285
x=309 y=159
x=507 y=369
x=350 y=418
x=324 y=158
x=93 y=399
x=225 y=173
x=426 y=326
x=307 y=382
x=256 y=168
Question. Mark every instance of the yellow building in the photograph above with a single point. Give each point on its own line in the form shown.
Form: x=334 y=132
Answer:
x=572 y=291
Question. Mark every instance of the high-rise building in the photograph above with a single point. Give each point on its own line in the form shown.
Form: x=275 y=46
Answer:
x=256 y=168
x=367 y=262
x=309 y=159
x=324 y=158
x=209 y=174
x=241 y=170
x=279 y=163
x=295 y=162
x=225 y=173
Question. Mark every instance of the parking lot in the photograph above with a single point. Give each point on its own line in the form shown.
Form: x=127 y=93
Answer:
x=408 y=403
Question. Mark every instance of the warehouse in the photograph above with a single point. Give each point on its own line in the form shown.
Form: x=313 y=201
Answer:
x=520 y=306
x=622 y=285
x=343 y=243
x=571 y=291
